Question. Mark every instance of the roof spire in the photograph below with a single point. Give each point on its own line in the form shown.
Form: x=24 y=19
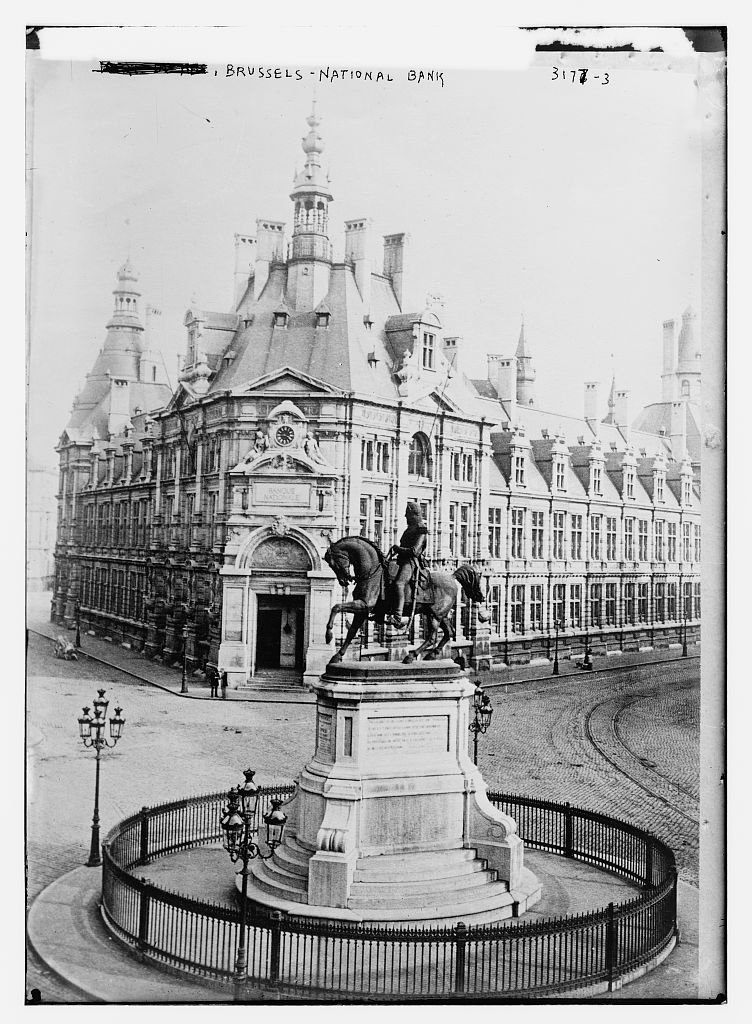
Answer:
x=521 y=352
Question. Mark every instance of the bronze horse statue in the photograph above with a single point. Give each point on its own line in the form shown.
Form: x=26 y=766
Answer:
x=372 y=574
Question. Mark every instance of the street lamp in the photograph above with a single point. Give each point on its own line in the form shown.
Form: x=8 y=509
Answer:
x=482 y=709
x=684 y=616
x=78 y=624
x=184 y=676
x=557 y=627
x=239 y=824
x=92 y=732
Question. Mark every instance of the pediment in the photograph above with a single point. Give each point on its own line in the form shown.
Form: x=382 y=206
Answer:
x=288 y=381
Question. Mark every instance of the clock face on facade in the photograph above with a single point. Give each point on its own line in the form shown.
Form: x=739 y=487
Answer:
x=285 y=434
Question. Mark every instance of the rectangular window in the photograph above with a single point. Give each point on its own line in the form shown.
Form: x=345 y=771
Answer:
x=642 y=602
x=559 y=529
x=519 y=470
x=660 y=602
x=453 y=528
x=697 y=601
x=468 y=469
x=642 y=540
x=518 y=532
x=687 y=542
x=495 y=549
x=379 y=505
x=382 y=457
x=168 y=510
x=671 y=542
x=629 y=478
x=672 y=602
x=629 y=539
x=116 y=527
x=697 y=546
x=686 y=492
x=595 y=537
x=560 y=478
x=454 y=466
x=494 y=607
x=611 y=538
x=629 y=603
x=429 y=342
x=575 y=604
x=687 y=611
x=464 y=531
x=536 y=606
x=610 y=604
x=576 y=548
x=517 y=609
x=364 y=503
x=595 y=604
x=537 y=535
x=597 y=479
x=658 y=541
x=559 y=604
x=366 y=456
x=659 y=495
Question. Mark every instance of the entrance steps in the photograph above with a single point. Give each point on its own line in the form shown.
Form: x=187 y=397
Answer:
x=273 y=679
x=437 y=887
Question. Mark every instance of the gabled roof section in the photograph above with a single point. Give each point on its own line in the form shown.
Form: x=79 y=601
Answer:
x=287 y=379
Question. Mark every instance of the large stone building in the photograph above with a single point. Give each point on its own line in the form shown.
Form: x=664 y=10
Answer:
x=196 y=521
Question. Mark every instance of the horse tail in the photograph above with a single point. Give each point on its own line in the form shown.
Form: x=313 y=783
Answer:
x=469 y=579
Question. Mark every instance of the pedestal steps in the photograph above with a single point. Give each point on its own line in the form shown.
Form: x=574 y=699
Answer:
x=416 y=867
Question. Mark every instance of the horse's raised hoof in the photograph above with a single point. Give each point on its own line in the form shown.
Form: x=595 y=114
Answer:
x=408 y=659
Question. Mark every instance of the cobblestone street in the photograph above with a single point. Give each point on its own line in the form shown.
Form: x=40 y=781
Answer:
x=572 y=738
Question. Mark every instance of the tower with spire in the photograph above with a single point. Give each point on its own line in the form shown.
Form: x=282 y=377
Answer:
x=525 y=371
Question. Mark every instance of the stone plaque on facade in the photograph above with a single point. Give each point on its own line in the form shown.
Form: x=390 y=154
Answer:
x=416 y=734
x=233 y=614
x=324 y=734
x=274 y=493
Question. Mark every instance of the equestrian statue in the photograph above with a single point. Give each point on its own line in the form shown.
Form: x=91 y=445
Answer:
x=398 y=586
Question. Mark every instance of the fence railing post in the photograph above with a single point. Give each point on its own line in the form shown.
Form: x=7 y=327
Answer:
x=460 y=948
x=610 y=947
x=648 y=862
x=275 y=947
x=143 y=919
x=568 y=840
x=144 y=837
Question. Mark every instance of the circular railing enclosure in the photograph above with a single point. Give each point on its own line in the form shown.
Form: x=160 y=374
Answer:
x=309 y=957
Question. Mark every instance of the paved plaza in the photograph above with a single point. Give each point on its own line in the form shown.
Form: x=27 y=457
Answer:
x=624 y=742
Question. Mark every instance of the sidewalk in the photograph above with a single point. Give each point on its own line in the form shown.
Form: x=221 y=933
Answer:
x=156 y=674
x=152 y=672
x=66 y=932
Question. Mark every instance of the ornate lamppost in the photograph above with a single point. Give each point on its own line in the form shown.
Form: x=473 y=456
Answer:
x=482 y=711
x=240 y=827
x=92 y=732
x=684 y=617
x=557 y=627
x=184 y=675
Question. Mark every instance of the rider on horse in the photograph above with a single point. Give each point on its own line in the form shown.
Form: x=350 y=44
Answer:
x=409 y=557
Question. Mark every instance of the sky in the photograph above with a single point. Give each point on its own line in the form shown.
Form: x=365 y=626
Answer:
x=578 y=206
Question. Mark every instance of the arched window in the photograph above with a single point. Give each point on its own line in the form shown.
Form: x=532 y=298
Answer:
x=420 y=462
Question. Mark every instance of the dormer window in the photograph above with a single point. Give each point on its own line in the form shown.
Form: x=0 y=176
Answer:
x=686 y=492
x=280 y=319
x=629 y=477
x=519 y=470
x=429 y=350
x=597 y=479
x=560 y=476
x=659 y=496
x=367 y=322
x=322 y=319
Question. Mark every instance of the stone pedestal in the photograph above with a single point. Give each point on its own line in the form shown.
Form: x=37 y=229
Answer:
x=391 y=821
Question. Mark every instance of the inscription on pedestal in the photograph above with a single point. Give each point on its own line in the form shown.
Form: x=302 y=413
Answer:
x=417 y=734
x=324 y=734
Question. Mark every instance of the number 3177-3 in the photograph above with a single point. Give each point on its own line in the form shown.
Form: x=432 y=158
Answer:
x=579 y=75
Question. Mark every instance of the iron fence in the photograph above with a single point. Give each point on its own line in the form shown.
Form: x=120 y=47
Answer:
x=307 y=956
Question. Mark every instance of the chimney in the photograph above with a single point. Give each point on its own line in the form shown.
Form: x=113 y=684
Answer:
x=452 y=353
x=591 y=403
x=120 y=407
x=669 y=360
x=394 y=265
x=621 y=412
x=502 y=373
x=245 y=257
x=678 y=430
x=358 y=255
x=270 y=248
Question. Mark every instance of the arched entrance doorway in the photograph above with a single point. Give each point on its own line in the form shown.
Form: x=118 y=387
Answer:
x=279 y=580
